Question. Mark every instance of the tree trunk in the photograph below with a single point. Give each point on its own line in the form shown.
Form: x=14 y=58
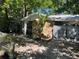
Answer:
x=25 y=14
x=6 y=13
x=24 y=10
x=6 y=20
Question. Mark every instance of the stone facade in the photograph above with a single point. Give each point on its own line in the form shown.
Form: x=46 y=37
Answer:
x=47 y=32
x=68 y=31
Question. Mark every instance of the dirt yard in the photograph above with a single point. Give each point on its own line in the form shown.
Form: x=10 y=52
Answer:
x=48 y=50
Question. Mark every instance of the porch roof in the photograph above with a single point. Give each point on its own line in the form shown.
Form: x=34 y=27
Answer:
x=30 y=17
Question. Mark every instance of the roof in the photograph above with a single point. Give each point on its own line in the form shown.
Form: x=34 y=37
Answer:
x=31 y=17
x=63 y=17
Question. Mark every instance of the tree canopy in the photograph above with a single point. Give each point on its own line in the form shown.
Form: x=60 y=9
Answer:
x=20 y=8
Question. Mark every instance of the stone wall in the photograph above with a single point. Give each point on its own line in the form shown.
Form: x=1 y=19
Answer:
x=47 y=32
x=66 y=31
x=44 y=33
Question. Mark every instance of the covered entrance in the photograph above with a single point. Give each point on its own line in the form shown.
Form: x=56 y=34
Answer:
x=29 y=28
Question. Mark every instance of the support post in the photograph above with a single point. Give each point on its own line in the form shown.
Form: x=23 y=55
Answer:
x=25 y=28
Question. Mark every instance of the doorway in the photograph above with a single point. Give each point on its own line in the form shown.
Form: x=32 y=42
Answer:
x=29 y=29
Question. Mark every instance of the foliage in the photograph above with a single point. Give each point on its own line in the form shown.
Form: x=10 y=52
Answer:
x=17 y=8
x=42 y=19
x=9 y=38
x=68 y=6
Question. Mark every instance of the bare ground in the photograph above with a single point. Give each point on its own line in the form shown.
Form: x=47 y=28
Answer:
x=48 y=50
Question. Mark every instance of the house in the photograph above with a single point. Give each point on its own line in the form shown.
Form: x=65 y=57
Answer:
x=65 y=26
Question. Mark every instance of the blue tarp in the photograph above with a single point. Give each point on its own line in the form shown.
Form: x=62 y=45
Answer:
x=47 y=11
